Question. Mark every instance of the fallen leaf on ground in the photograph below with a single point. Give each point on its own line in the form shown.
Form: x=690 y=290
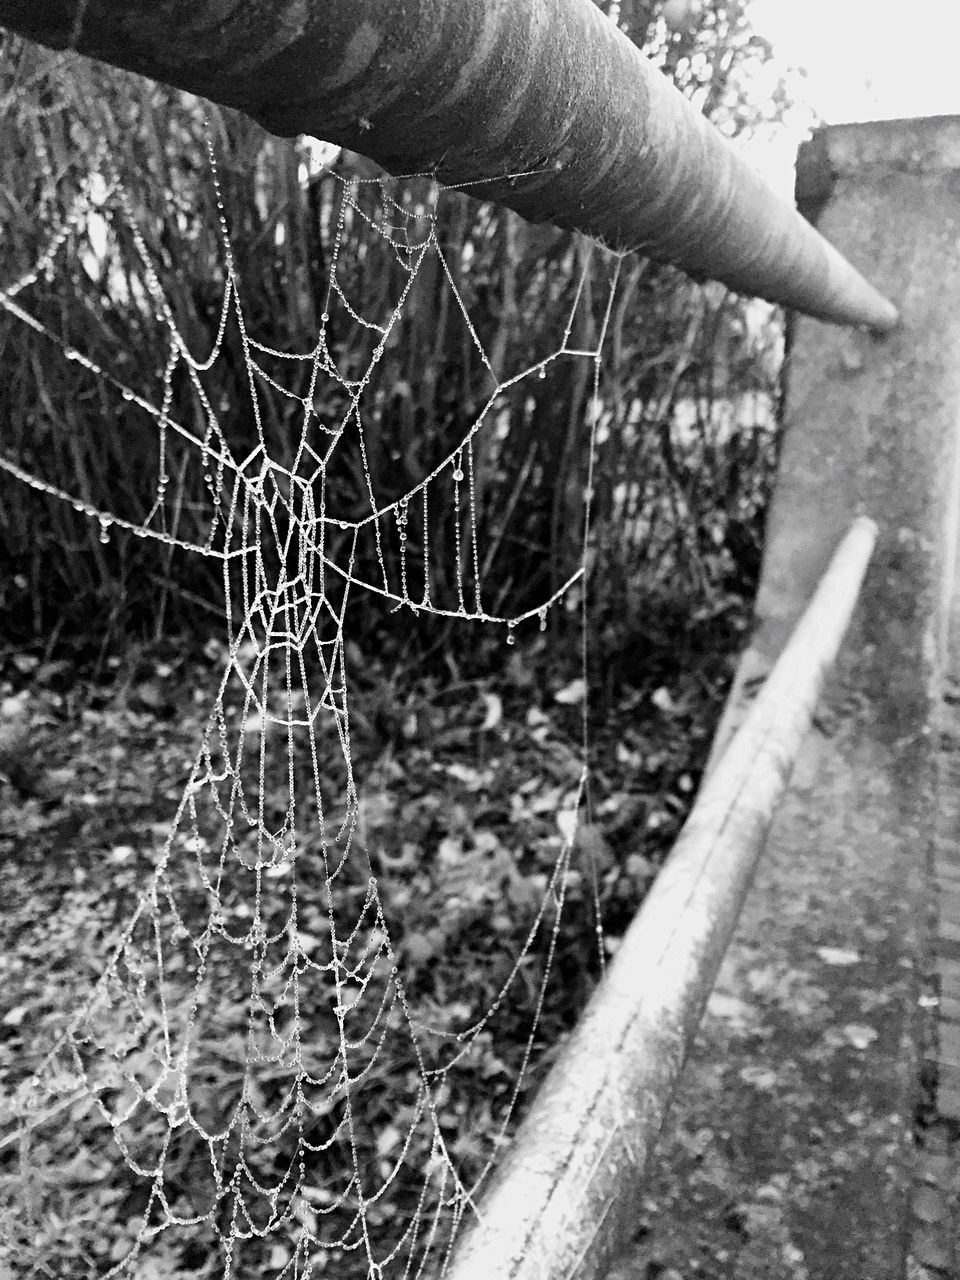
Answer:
x=859 y=1036
x=837 y=955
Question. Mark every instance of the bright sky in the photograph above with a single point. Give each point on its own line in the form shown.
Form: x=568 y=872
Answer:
x=863 y=59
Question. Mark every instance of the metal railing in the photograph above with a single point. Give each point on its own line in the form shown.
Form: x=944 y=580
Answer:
x=561 y=1202
x=544 y=105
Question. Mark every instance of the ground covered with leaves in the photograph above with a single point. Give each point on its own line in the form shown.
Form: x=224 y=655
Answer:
x=465 y=782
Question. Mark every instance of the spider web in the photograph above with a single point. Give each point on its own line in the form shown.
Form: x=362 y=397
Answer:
x=291 y=1166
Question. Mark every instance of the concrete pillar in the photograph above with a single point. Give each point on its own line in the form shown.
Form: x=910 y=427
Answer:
x=872 y=428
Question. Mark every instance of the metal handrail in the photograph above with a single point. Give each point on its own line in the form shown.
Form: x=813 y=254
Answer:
x=481 y=91
x=563 y=1200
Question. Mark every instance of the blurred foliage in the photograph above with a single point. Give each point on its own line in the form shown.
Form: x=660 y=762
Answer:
x=688 y=386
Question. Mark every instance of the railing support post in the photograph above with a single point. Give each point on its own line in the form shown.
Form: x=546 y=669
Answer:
x=872 y=426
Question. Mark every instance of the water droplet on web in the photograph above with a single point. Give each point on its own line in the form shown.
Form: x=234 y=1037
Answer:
x=541 y=373
x=458 y=475
x=105 y=529
x=511 y=638
x=543 y=619
x=70 y=353
x=127 y=393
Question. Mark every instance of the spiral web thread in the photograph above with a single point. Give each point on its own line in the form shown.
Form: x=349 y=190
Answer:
x=289 y=1166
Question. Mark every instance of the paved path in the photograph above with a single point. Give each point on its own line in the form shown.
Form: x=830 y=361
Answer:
x=791 y=1149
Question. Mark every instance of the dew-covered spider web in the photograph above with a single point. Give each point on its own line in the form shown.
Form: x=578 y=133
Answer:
x=291 y=1165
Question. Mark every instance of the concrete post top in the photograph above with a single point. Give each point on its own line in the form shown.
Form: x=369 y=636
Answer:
x=927 y=144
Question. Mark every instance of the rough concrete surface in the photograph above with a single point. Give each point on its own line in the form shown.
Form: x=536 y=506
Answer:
x=790 y=1150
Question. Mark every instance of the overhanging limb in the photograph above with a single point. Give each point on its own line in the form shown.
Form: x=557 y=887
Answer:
x=478 y=91
x=567 y=1193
